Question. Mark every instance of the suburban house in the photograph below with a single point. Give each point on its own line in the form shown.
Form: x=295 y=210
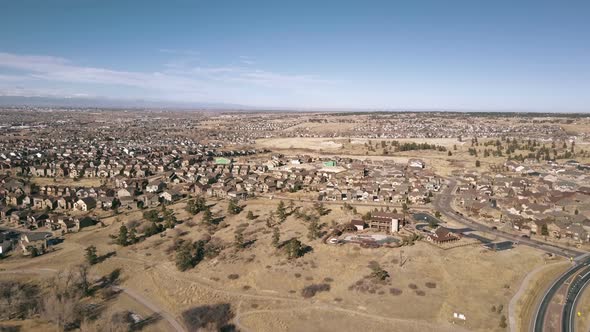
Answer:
x=170 y=195
x=386 y=221
x=85 y=204
x=34 y=243
x=358 y=224
x=155 y=186
x=442 y=235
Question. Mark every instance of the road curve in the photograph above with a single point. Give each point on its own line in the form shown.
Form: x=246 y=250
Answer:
x=576 y=289
x=539 y=320
x=443 y=204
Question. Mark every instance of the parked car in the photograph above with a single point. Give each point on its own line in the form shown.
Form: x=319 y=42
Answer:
x=333 y=241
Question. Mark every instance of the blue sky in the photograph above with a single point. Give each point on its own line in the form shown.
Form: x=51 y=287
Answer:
x=478 y=55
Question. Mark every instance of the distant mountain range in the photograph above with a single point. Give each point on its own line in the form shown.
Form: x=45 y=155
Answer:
x=111 y=103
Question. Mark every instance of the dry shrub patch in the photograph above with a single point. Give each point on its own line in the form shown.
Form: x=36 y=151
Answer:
x=215 y=317
x=395 y=291
x=312 y=290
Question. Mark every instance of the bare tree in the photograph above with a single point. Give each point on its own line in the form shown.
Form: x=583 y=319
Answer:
x=61 y=303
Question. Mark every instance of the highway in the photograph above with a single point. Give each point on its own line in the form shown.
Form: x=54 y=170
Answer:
x=442 y=203
x=576 y=289
x=539 y=321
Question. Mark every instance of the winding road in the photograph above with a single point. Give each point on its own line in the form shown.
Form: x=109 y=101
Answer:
x=576 y=289
x=580 y=271
x=443 y=203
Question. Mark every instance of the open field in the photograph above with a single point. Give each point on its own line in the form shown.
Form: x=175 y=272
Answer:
x=532 y=292
x=268 y=284
x=83 y=182
x=583 y=322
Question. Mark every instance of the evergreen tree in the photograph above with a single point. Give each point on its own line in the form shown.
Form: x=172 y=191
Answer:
x=133 y=235
x=313 y=230
x=250 y=216
x=122 y=238
x=281 y=212
x=276 y=237
x=239 y=240
x=184 y=257
x=294 y=248
x=207 y=216
x=194 y=206
x=234 y=207
x=91 y=256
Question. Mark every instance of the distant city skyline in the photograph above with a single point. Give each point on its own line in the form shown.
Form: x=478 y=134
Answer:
x=454 y=55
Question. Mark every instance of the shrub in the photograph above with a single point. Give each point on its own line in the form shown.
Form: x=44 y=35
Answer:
x=395 y=291
x=211 y=317
x=233 y=276
x=413 y=286
x=431 y=285
x=312 y=290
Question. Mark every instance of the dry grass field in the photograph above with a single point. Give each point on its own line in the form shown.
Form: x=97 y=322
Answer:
x=583 y=322
x=263 y=287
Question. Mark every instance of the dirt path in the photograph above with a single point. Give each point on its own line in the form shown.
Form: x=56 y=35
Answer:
x=302 y=304
x=175 y=324
x=523 y=287
x=146 y=303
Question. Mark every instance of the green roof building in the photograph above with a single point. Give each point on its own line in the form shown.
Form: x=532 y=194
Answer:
x=222 y=161
x=330 y=163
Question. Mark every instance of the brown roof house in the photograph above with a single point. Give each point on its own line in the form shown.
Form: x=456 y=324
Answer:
x=386 y=221
x=442 y=235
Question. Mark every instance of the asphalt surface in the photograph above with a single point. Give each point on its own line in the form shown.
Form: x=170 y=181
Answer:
x=576 y=288
x=539 y=321
x=442 y=203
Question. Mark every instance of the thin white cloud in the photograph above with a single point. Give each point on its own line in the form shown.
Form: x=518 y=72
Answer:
x=247 y=60
x=181 y=79
x=179 y=52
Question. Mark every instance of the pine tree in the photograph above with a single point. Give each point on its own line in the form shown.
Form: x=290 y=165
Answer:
x=313 y=230
x=233 y=207
x=250 y=215
x=122 y=238
x=276 y=237
x=91 y=256
x=184 y=257
x=294 y=248
x=239 y=240
x=207 y=216
x=281 y=212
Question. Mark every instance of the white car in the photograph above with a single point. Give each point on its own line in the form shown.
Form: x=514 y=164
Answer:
x=333 y=241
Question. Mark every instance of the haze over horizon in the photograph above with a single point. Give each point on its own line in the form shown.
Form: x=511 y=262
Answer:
x=456 y=55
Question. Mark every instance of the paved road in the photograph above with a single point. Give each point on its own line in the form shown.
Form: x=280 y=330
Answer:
x=576 y=288
x=539 y=320
x=442 y=203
